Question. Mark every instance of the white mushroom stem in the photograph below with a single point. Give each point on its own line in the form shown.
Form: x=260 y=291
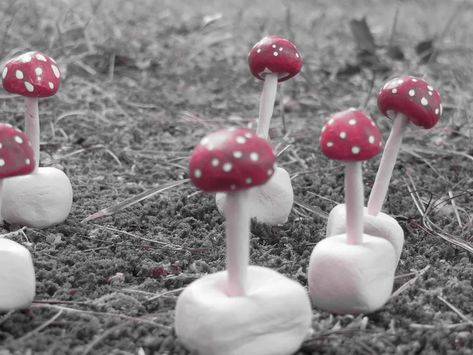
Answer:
x=1 y=197
x=354 y=202
x=32 y=126
x=237 y=229
x=386 y=165
x=266 y=105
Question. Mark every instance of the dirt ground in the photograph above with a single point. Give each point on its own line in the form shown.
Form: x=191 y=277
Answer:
x=145 y=80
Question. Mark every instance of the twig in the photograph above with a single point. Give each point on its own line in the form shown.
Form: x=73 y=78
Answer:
x=455 y=209
x=456 y=310
x=40 y=328
x=102 y=336
x=409 y=283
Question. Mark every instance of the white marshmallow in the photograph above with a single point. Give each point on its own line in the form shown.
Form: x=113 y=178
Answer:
x=347 y=278
x=17 y=277
x=38 y=200
x=270 y=203
x=272 y=319
x=382 y=225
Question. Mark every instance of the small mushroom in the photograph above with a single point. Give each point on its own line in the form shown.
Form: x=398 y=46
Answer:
x=16 y=154
x=405 y=99
x=233 y=160
x=32 y=75
x=273 y=59
x=352 y=137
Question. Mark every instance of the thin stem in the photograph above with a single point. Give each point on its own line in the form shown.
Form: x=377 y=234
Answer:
x=266 y=104
x=386 y=165
x=354 y=202
x=237 y=229
x=32 y=126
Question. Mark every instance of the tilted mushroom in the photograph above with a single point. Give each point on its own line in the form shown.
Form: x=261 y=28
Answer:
x=43 y=198
x=273 y=59
x=351 y=272
x=17 y=279
x=406 y=99
x=239 y=310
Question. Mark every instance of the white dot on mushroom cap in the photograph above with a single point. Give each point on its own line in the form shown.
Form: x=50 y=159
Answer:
x=25 y=58
x=280 y=49
x=437 y=111
x=249 y=180
x=330 y=121
x=355 y=149
x=430 y=93
x=40 y=57
x=275 y=54
x=27 y=161
x=343 y=134
x=274 y=46
x=414 y=80
x=323 y=129
x=330 y=144
x=297 y=55
x=18 y=139
x=248 y=135
x=56 y=72
x=197 y=173
x=5 y=72
x=394 y=91
x=38 y=71
x=19 y=74
x=352 y=121
x=227 y=167
x=237 y=154
x=424 y=101
x=373 y=124
x=204 y=141
x=258 y=50
x=412 y=92
x=254 y=156
x=400 y=81
x=371 y=139
x=51 y=85
x=270 y=172
x=2 y=162
x=240 y=140
x=215 y=162
x=28 y=86
x=430 y=88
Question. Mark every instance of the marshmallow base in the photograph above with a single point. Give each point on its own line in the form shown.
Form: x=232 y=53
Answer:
x=38 y=200
x=270 y=203
x=17 y=277
x=382 y=225
x=351 y=278
x=272 y=319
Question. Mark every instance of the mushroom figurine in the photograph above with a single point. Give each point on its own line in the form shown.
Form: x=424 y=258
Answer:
x=43 y=198
x=405 y=99
x=244 y=309
x=17 y=277
x=351 y=272
x=273 y=59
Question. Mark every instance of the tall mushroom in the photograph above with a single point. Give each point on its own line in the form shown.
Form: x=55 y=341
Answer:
x=351 y=272
x=239 y=310
x=273 y=59
x=17 y=279
x=43 y=198
x=406 y=99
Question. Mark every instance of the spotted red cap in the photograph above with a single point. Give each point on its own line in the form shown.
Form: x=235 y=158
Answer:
x=412 y=97
x=351 y=136
x=32 y=74
x=274 y=54
x=16 y=154
x=231 y=159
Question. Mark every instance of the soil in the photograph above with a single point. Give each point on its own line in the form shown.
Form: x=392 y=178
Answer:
x=144 y=81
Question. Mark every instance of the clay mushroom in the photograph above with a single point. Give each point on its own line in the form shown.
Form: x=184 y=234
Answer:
x=43 y=198
x=351 y=272
x=239 y=310
x=17 y=278
x=273 y=59
x=406 y=99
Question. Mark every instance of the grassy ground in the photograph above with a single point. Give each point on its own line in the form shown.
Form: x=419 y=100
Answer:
x=145 y=80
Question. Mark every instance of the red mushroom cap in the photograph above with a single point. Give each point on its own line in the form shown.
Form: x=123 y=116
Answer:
x=32 y=74
x=274 y=54
x=351 y=136
x=16 y=154
x=231 y=159
x=412 y=97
